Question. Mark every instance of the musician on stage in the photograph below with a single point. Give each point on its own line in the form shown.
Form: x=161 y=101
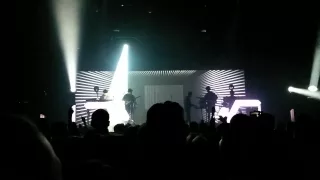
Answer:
x=210 y=99
x=105 y=96
x=187 y=106
x=130 y=101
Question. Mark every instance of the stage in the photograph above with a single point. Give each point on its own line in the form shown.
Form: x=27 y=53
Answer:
x=155 y=87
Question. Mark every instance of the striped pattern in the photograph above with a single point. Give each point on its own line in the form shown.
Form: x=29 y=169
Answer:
x=86 y=80
x=218 y=80
x=179 y=73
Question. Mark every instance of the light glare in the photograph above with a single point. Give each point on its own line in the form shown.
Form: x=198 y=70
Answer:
x=67 y=15
x=119 y=83
x=243 y=103
x=315 y=73
x=312 y=88
x=305 y=92
x=290 y=89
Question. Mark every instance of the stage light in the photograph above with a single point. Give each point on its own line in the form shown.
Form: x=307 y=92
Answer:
x=290 y=89
x=72 y=88
x=118 y=88
x=315 y=72
x=243 y=103
x=67 y=15
x=119 y=83
x=312 y=88
x=305 y=92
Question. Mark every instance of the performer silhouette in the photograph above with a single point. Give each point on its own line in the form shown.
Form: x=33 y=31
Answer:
x=187 y=107
x=210 y=99
x=130 y=102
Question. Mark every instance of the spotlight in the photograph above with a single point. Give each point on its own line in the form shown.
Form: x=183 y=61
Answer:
x=73 y=89
x=305 y=92
x=118 y=87
x=67 y=15
x=312 y=88
x=119 y=83
x=315 y=73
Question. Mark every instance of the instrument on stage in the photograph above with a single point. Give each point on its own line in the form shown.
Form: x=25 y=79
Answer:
x=204 y=103
x=96 y=104
x=134 y=103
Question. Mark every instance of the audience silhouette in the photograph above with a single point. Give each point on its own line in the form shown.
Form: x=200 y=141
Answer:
x=249 y=147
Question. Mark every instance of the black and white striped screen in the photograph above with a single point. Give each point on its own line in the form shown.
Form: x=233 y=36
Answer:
x=157 y=86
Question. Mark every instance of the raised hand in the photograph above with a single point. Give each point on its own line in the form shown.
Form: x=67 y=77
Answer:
x=223 y=119
x=83 y=119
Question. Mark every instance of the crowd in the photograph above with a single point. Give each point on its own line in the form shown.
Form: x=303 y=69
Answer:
x=165 y=147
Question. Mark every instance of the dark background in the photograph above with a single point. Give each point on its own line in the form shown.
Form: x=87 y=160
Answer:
x=273 y=42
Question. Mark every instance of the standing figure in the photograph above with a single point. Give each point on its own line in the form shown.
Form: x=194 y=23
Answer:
x=187 y=106
x=210 y=99
x=130 y=102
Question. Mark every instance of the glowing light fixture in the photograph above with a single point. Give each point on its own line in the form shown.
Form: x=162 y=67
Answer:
x=305 y=92
x=312 y=88
x=118 y=88
x=243 y=103
x=290 y=89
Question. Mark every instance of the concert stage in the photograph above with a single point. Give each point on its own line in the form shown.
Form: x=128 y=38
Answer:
x=158 y=86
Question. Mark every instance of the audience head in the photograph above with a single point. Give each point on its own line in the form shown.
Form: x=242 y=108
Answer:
x=100 y=120
x=189 y=94
x=199 y=140
x=31 y=155
x=59 y=130
x=241 y=126
x=194 y=127
x=96 y=170
x=119 y=128
x=266 y=121
x=166 y=122
x=305 y=127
